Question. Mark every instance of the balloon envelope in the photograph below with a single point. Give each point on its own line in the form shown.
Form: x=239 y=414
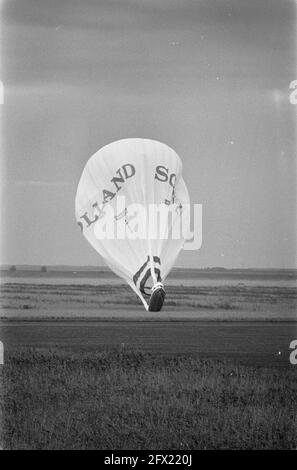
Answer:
x=129 y=203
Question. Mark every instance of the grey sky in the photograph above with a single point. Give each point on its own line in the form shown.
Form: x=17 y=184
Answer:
x=209 y=78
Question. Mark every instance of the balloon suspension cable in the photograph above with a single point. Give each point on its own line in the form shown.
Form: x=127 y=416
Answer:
x=132 y=285
x=153 y=274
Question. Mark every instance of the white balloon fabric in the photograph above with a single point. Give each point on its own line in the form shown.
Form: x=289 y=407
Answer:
x=143 y=172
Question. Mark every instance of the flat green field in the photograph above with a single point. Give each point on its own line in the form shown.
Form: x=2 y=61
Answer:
x=195 y=299
x=86 y=367
x=128 y=399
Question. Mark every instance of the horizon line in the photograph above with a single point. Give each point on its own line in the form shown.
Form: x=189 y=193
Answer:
x=95 y=267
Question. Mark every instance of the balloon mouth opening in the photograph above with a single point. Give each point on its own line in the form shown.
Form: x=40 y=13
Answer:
x=158 y=285
x=157 y=297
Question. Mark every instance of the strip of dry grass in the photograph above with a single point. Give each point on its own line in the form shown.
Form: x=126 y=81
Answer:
x=125 y=399
x=27 y=296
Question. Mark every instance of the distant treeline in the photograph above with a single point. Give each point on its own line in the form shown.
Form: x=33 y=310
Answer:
x=14 y=268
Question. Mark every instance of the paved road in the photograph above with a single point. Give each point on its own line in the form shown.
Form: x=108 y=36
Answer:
x=251 y=342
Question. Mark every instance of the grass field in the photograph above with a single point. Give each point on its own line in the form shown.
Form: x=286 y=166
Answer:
x=86 y=367
x=251 y=342
x=247 y=300
x=127 y=399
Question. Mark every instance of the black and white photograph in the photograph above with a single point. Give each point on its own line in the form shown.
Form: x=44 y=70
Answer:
x=148 y=249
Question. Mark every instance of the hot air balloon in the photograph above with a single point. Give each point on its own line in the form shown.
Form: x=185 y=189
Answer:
x=124 y=175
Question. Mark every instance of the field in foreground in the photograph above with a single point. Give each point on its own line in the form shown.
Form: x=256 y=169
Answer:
x=128 y=399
